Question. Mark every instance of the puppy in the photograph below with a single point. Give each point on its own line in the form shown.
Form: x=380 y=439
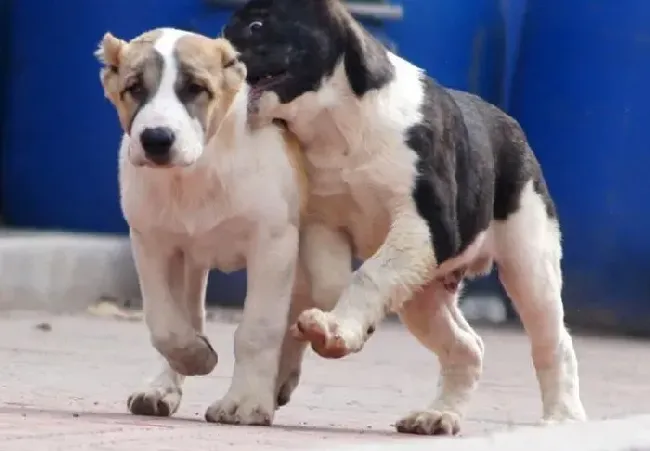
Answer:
x=425 y=184
x=200 y=190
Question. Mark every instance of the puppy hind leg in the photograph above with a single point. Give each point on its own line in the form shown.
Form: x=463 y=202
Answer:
x=528 y=259
x=434 y=318
x=325 y=270
x=326 y=255
x=292 y=353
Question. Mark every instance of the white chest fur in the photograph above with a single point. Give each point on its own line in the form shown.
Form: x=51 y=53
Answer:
x=357 y=159
x=211 y=210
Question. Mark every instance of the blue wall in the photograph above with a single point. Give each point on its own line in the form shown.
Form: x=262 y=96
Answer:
x=61 y=140
x=581 y=93
x=578 y=82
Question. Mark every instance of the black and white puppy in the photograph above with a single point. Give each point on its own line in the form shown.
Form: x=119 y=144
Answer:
x=425 y=184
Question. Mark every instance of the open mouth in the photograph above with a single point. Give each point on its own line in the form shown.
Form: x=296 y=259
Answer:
x=261 y=84
x=267 y=81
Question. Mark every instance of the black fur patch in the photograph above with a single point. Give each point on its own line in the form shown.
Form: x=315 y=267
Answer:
x=454 y=188
x=366 y=63
x=493 y=132
x=301 y=42
x=516 y=166
x=474 y=161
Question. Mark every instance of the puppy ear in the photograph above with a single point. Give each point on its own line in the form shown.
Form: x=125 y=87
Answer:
x=109 y=52
x=234 y=70
x=227 y=53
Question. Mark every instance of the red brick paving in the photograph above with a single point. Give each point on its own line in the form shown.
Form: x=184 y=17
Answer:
x=66 y=389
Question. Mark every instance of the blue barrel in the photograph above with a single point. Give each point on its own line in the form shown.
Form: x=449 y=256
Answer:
x=581 y=92
x=5 y=35
x=461 y=43
x=60 y=147
x=512 y=12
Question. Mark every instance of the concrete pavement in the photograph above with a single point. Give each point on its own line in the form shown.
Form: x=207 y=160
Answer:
x=625 y=434
x=66 y=388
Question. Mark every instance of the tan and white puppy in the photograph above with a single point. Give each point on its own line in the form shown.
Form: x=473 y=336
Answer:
x=201 y=190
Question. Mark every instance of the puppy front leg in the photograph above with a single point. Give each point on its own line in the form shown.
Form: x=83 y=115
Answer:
x=171 y=325
x=161 y=396
x=251 y=398
x=403 y=263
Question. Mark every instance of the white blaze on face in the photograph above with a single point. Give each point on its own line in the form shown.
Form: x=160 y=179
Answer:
x=165 y=110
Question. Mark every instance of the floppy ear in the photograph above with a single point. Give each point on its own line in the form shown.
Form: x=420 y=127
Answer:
x=109 y=52
x=234 y=71
x=233 y=77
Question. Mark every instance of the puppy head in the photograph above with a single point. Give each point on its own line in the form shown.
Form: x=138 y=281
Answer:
x=288 y=46
x=172 y=90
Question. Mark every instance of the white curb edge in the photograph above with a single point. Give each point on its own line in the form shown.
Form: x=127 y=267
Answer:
x=624 y=434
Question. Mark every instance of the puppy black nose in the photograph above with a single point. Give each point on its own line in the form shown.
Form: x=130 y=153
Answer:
x=157 y=142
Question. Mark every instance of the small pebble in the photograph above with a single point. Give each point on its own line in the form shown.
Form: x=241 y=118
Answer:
x=45 y=327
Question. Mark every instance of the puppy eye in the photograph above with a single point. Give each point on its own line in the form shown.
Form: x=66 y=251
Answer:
x=195 y=89
x=230 y=63
x=135 y=89
x=192 y=89
x=254 y=26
